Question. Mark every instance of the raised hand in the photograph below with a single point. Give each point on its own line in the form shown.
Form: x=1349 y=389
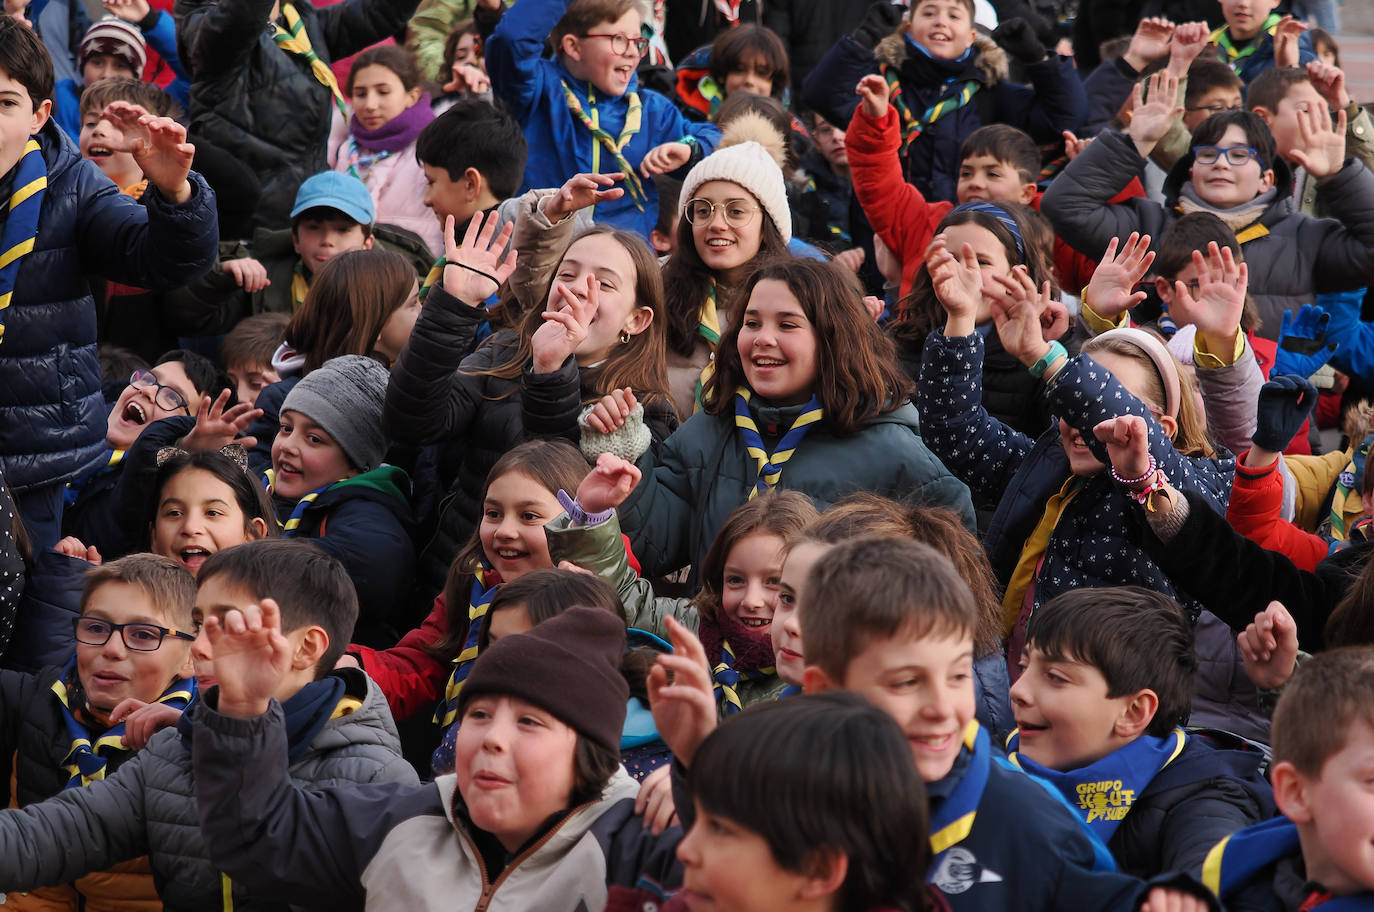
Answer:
x=218 y=427
x=143 y=720
x=1321 y=147
x=158 y=145
x=1216 y=312
x=1329 y=81
x=958 y=285
x=1149 y=43
x=251 y=657
x=75 y=547
x=1073 y=146
x=1112 y=289
x=654 y=802
x=876 y=93
x=1269 y=647
x=565 y=328
x=850 y=259
x=250 y=275
x=664 y=158
x=1018 y=316
x=1152 y=118
x=611 y=411
x=1127 y=439
x=1286 y=34
x=1285 y=401
x=581 y=191
x=684 y=705
x=608 y=484
x=134 y=11
x=1188 y=41
x=1303 y=347
x=466 y=78
x=476 y=269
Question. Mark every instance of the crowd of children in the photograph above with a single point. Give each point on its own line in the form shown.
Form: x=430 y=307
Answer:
x=852 y=456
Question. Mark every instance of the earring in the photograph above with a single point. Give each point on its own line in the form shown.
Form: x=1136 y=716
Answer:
x=624 y=337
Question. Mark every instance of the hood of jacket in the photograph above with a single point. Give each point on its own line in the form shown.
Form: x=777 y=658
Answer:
x=990 y=59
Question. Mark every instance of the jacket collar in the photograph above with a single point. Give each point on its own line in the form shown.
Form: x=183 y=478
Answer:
x=988 y=63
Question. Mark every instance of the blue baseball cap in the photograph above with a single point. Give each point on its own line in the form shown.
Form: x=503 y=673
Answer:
x=336 y=190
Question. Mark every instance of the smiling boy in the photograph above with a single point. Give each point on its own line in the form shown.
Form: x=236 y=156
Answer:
x=78 y=225
x=584 y=112
x=1247 y=42
x=1107 y=679
x=892 y=621
x=132 y=643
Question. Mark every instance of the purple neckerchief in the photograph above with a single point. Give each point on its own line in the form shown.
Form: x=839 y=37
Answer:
x=398 y=132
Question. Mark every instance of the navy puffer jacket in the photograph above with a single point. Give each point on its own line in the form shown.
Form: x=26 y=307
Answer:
x=52 y=415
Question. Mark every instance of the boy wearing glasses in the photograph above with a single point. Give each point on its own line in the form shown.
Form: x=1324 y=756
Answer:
x=65 y=726
x=1234 y=172
x=584 y=112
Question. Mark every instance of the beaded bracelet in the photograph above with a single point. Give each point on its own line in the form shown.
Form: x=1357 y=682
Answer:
x=1144 y=477
x=1145 y=496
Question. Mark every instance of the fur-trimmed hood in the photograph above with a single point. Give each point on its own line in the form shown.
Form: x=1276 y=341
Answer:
x=990 y=59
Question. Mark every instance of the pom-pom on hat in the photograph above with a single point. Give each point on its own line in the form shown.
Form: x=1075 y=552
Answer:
x=750 y=155
x=568 y=665
x=112 y=35
x=344 y=396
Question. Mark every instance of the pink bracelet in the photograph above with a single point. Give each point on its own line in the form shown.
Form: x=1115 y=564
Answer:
x=1132 y=482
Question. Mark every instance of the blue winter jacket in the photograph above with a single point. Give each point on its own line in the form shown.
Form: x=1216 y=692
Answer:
x=1054 y=101
x=559 y=146
x=1097 y=541
x=52 y=415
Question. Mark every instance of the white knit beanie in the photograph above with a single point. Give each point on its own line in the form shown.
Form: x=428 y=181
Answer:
x=751 y=166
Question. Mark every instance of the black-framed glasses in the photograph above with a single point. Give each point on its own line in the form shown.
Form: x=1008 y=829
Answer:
x=95 y=631
x=1235 y=155
x=1218 y=108
x=622 y=43
x=738 y=213
x=165 y=396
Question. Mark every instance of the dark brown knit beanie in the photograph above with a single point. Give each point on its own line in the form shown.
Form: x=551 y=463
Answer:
x=568 y=665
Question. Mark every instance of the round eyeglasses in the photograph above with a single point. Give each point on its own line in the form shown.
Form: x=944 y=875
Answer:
x=1217 y=108
x=1235 y=155
x=165 y=396
x=622 y=43
x=738 y=213
x=94 y=631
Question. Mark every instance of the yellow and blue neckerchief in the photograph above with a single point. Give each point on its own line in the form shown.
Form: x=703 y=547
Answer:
x=1235 y=862
x=21 y=221
x=727 y=680
x=770 y=464
x=86 y=759
x=485 y=583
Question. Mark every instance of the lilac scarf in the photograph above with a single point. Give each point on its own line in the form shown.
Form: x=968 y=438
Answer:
x=398 y=132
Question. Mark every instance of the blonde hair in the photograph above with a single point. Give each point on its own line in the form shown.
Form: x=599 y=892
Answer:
x=1190 y=438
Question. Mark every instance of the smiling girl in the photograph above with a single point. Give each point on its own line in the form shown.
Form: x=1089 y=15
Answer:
x=805 y=395
x=596 y=329
x=203 y=503
x=390 y=108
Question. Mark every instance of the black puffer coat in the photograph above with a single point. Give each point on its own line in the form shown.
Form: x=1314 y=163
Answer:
x=262 y=104
x=477 y=419
x=52 y=415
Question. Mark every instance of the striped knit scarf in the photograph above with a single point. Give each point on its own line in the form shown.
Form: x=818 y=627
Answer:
x=21 y=221
x=87 y=759
x=912 y=127
x=293 y=522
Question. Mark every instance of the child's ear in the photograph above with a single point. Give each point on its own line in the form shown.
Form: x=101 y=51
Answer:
x=1028 y=192
x=314 y=643
x=1265 y=115
x=571 y=47
x=369 y=241
x=661 y=241
x=1165 y=289
x=815 y=680
x=825 y=870
x=1266 y=181
x=1290 y=792
x=1169 y=425
x=257 y=528
x=474 y=182
x=1137 y=716
x=640 y=319
x=40 y=116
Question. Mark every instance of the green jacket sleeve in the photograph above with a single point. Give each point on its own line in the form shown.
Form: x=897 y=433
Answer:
x=600 y=549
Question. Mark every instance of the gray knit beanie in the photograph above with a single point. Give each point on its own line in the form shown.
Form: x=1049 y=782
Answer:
x=344 y=396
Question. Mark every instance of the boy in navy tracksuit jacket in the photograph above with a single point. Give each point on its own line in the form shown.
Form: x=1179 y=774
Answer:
x=1000 y=839
x=591 y=81
x=1107 y=678
x=1316 y=856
